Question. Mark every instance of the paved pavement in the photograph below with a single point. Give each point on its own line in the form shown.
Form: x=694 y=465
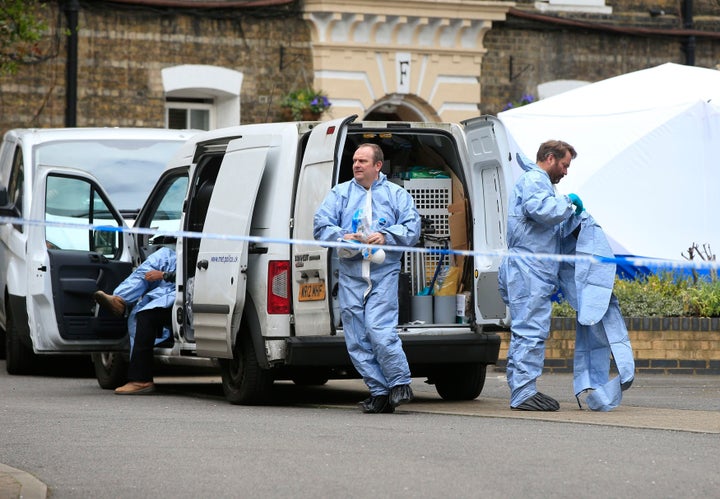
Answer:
x=16 y=483
x=669 y=402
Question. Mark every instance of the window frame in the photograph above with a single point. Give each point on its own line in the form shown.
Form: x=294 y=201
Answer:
x=187 y=106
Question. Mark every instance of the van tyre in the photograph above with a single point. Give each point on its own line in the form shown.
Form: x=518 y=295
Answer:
x=19 y=359
x=110 y=369
x=461 y=381
x=244 y=381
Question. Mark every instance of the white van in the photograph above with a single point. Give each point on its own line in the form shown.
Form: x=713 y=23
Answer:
x=264 y=309
x=54 y=175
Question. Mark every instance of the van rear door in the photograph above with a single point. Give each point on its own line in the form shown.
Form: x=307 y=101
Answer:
x=67 y=264
x=487 y=153
x=220 y=279
x=310 y=280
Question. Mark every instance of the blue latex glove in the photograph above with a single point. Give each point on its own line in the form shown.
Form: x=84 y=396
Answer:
x=574 y=199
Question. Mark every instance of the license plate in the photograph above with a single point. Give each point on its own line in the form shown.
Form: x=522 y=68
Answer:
x=312 y=291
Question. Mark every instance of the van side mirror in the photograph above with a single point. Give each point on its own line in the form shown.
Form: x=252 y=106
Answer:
x=105 y=242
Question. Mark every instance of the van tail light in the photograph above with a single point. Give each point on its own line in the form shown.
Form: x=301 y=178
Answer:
x=278 y=289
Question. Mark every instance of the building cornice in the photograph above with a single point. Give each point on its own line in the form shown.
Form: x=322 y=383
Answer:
x=457 y=25
x=444 y=9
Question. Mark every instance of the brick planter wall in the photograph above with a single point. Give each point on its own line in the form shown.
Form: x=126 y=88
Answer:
x=661 y=345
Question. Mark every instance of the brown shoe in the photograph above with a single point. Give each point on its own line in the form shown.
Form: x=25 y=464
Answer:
x=136 y=388
x=115 y=304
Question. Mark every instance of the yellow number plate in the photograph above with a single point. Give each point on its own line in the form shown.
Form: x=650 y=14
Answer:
x=312 y=291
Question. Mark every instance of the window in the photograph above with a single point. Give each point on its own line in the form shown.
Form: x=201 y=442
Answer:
x=589 y=6
x=169 y=210
x=194 y=114
x=202 y=97
x=126 y=168
x=75 y=201
x=164 y=213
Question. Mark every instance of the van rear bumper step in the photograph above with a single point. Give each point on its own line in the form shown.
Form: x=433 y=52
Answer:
x=420 y=349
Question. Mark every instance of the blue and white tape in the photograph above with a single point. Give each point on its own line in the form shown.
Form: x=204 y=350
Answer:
x=618 y=260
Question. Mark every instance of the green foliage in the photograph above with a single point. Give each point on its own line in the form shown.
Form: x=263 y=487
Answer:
x=21 y=29
x=305 y=100
x=651 y=296
x=664 y=295
x=703 y=299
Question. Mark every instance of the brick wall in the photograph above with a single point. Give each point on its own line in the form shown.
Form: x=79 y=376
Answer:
x=679 y=345
x=121 y=51
x=522 y=53
x=123 y=48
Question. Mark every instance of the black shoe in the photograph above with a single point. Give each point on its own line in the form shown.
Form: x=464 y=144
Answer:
x=400 y=394
x=538 y=402
x=377 y=405
x=166 y=343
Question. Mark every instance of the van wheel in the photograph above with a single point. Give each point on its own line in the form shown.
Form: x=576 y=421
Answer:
x=19 y=359
x=244 y=381
x=110 y=369
x=460 y=382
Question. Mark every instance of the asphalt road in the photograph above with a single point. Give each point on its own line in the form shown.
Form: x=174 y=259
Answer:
x=186 y=441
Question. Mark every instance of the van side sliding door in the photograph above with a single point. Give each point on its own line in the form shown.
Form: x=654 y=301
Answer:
x=221 y=269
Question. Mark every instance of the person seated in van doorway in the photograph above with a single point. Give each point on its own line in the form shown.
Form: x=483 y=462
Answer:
x=152 y=287
x=536 y=217
x=371 y=209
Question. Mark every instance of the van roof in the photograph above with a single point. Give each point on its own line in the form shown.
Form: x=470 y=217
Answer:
x=40 y=135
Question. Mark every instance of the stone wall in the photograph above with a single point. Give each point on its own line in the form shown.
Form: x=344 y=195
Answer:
x=522 y=53
x=676 y=345
x=122 y=49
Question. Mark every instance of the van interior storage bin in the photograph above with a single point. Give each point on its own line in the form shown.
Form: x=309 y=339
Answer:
x=432 y=197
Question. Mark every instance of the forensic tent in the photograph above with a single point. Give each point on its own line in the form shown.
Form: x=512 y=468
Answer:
x=648 y=164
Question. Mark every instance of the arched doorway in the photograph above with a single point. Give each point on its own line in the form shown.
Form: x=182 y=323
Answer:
x=400 y=108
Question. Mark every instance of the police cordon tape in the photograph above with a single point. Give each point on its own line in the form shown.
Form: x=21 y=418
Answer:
x=617 y=260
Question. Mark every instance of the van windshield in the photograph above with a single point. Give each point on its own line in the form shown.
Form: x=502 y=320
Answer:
x=126 y=169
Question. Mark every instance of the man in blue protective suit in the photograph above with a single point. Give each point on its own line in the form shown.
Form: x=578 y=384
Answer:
x=151 y=287
x=536 y=216
x=370 y=209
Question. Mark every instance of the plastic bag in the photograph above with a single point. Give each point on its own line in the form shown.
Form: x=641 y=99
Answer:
x=447 y=281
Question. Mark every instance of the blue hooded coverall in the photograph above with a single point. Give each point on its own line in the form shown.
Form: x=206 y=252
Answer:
x=536 y=216
x=156 y=294
x=368 y=291
x=587 y=285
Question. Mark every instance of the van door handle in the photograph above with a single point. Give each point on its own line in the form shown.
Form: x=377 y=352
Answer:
x=96 y=257
x=202 y=265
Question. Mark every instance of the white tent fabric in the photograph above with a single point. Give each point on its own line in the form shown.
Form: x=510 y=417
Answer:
x=648 y=165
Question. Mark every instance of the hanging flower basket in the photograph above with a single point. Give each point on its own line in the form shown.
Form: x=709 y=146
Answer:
x=304 y=105
x=287 y=114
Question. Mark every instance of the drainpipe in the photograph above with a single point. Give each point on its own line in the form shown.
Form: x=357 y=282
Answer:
x=71 y=8
x=689 y=45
